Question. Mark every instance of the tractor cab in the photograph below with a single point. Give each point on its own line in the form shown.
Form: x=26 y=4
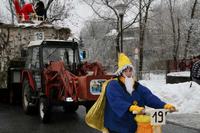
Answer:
x=42 y=53
x=48 y=74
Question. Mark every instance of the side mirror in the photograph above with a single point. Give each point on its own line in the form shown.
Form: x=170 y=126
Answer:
x=83 y=54
x=24 y=53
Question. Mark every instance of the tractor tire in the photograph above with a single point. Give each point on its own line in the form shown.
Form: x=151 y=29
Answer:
x=26 y=94
x=88 y=105
x=71 y=108
x=11 y=97
x=44 y=110
x=88 y=108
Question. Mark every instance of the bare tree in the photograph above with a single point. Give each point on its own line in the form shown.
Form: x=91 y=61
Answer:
x=105 y=10
x=97 y=41
x=143 y=18
x=160 y=35
x=174 y=32
x=188 y=41
x=135 y=9
x=58 y=10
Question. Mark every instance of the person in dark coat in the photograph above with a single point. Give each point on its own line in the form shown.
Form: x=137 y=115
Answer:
x=182 y=65
x=40 y=10
x=124 y=96
x=195 y=72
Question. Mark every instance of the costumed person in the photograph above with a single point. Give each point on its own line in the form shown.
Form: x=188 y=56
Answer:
x=25 y=11
x=120 y=97
x=40 y=10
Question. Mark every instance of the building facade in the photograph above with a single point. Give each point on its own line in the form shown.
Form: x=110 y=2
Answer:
x=15 y=38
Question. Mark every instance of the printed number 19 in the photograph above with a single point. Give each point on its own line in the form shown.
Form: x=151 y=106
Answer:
x=158 y=115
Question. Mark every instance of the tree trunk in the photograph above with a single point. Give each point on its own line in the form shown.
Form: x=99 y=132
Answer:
x=190 y=30
x=174 y=33
x=179 y=37
x=142 y=24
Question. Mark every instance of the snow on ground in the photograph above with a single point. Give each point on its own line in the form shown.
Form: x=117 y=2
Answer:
x=184 y=97
x=180 y=74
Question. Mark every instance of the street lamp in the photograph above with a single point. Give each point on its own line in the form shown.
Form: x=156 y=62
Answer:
x=121 y=8
x=136 y=57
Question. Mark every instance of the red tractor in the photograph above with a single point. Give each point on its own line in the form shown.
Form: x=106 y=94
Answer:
x=54 y=75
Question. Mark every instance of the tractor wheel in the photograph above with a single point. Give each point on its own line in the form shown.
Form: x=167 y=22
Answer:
x=44 y=110
x=70 y=108
x=26 y=94
x=11 y=95
x=88 y=106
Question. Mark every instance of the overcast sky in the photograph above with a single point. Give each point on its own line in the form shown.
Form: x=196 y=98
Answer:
x=81 y=13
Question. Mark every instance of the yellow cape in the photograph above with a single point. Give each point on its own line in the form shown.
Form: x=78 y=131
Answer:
x=95 y=116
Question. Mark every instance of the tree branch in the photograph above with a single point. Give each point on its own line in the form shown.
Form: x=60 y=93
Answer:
x=95 y=11
x=48 y=4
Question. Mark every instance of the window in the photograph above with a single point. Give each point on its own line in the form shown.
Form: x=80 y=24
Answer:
x=58 y=54
x=32 y=61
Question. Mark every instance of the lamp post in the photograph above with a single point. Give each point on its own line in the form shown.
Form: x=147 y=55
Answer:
x=136 y=57
x=121 y=8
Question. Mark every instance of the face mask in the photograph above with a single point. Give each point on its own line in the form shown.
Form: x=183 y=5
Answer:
x=129 y=84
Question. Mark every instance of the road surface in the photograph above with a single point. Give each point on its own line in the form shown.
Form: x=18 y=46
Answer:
x=13 y=120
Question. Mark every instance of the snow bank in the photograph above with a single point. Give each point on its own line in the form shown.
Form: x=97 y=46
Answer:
x=180 y=74
x=184 y=97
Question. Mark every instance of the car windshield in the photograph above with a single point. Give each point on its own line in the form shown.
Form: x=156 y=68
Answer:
x=58 y=54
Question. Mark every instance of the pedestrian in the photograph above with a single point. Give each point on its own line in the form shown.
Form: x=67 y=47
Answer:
x=192 y=60
x=190 y=63
x=195 y=72
x=40 y=10
x=120 y=98
x=182 y=65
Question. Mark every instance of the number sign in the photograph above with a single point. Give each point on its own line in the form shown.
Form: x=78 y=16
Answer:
x=39 y=35
x=158 y=117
